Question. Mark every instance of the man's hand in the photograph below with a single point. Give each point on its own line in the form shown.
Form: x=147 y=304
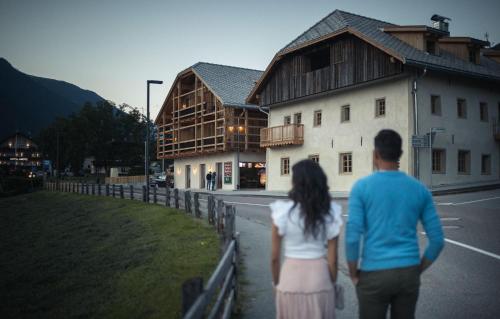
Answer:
x=354 y=272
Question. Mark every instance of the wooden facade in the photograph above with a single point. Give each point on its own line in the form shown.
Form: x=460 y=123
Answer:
x=337 y=63
x=193 y=121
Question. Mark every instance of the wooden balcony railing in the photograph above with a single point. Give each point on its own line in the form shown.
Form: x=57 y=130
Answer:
x=291 y=134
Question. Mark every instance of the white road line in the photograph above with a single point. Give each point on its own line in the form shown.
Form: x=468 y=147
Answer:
x=484 y=252
x=450 y=218
x=476 y=201
x=249 y=204
x=444 y=204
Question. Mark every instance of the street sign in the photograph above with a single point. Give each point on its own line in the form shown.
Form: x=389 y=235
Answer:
x=438 y=130
x=419 y=141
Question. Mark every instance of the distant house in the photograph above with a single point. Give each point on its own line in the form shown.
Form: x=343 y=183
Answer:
x=330 y=90
x=205 y=125
x=18 y=151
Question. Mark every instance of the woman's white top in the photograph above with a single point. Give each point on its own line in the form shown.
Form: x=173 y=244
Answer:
x=291 y=227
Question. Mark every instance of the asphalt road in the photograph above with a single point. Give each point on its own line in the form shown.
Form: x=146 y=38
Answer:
x=465 y=280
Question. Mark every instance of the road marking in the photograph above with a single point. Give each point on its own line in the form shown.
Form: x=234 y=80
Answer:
x=444 y=204
x=484 y=252
x=451 y=227
x=238 y=203
x=477 y=200
x=450 y=218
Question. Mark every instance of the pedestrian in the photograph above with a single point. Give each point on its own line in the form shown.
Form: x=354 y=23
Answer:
x=384 y=210
x=209 y=179
x=307 y=228
x=214 y=180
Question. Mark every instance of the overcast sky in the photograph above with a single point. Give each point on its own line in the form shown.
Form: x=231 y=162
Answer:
x=113 y=47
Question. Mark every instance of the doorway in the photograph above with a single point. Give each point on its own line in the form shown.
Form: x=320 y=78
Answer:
x=202 y=176
x=188 y=176
x=219 y=172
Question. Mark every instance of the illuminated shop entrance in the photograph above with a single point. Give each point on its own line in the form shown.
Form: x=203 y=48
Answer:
x=252 y=175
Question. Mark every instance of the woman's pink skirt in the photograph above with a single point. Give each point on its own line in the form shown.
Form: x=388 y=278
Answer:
x=305 y=290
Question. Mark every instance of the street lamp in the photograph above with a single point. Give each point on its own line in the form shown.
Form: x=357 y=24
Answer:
x=238 y=130
x=433 y=130
x=146 y=159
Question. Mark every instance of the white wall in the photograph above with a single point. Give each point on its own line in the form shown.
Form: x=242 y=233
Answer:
x=334 y=137
x=464 y=134
x=210 y=165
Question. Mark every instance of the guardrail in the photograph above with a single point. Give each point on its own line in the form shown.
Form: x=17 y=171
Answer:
x=218 y=297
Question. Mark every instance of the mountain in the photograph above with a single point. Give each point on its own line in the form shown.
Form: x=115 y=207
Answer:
x=29 y=103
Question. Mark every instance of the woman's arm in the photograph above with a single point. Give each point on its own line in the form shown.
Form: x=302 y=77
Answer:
x=275 y=255
x=332 y=257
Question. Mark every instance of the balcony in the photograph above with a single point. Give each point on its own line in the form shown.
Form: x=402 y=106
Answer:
x=291 y=134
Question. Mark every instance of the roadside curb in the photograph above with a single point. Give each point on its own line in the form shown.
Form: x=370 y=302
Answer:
x=470 y=189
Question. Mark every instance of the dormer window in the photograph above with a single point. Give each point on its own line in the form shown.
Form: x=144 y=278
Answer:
x=431 y=47
x=472 y=55
x=318 y=59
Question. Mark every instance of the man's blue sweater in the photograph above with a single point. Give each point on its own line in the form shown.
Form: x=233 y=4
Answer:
x=384 y=210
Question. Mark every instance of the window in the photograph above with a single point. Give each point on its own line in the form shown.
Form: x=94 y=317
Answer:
x=287 y=120
x=345 y=113
x=285 y=166
x=317 y=118
x=346 y=163
x=472 y=55
x=314 y=158
x=339 y=52
x=486 y=164
x=438 y=161
x=461 y=108
x=297 y=118
x=431 y=47
x=463 y=162
x=379 y=107
x=483 y=111
x=318 y=59
x=435 y=105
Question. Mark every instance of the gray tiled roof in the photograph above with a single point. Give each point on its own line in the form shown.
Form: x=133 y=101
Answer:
x=371 y=28
x=231 y=84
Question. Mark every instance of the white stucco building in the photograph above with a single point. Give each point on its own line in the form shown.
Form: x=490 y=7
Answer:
x=334 y=87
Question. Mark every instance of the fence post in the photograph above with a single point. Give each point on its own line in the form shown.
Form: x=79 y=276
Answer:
x=131 y=191
x=167 y=196
x=155 y=199
x=211 y=209
x=99 y=189
x=191 y=289
x=113 y=190
x=144 y=193
x=93 y=189
x=176 y=198
x=197 y=211
x=83 y=189
x=220 y=215
x=107 y=189
x=187 y=202
x=87 y=188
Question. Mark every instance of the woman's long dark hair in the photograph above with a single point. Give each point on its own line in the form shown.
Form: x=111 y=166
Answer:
x=310 y=190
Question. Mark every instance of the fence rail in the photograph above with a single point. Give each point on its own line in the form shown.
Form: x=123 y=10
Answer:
x=218 y=297
x=125 y=179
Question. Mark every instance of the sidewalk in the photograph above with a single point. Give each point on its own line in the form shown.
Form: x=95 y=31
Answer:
x=436 y=191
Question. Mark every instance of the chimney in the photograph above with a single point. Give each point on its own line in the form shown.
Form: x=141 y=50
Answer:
x=440 y=22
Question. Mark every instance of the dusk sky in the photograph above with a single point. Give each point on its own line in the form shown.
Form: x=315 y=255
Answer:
x=113 y=47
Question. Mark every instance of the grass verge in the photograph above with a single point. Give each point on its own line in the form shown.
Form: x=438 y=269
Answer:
x=67 y=255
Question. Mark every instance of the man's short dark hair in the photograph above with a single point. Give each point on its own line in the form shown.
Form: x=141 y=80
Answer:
x=388 y=145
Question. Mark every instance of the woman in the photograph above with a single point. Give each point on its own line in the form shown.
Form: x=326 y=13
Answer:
x=307 y=226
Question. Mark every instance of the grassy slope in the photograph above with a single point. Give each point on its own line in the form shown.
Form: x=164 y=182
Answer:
x=68 y=255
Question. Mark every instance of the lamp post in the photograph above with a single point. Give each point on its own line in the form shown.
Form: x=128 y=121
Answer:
x=238 y=130
x=431 y=131
x=146 y=147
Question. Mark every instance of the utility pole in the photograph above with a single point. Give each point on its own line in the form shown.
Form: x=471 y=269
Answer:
x=146 y=148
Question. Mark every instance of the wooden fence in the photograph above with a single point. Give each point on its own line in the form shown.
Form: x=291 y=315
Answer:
x=218 y=297
x=125 y=179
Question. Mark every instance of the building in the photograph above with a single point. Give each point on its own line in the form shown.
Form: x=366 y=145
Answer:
x=205 y=125
x=331 y=89
x=19 y=152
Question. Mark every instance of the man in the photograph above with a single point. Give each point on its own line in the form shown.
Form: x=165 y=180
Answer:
x=209 y=178
x=214 y=180
x=384 y=210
